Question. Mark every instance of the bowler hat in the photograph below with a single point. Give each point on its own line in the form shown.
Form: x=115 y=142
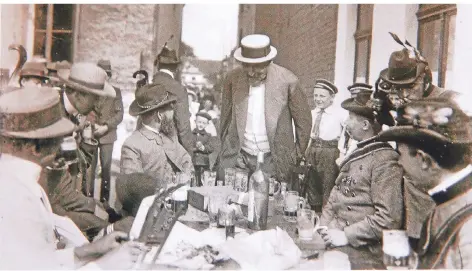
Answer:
x=150 y=97
x=105 y=65
x=402 y=69
x=87 y=77
x=325 y=84
x=361 y=105
x=254 y=49
x=167 y=56
x=358 y=87
x=204 y=114
x=34 y=69
x=433 y=123
x=34 y=113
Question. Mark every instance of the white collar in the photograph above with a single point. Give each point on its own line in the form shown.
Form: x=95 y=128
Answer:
x=27 y=170
x=168 y=72
x=451 y=180
x=150 y=128
x=327 y=110
x=68 y=105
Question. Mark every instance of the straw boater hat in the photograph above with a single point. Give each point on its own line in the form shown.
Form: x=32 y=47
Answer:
x=87 y=77
x=150 y=97
x=255 y=48
x=34 y=69
x=33 y=113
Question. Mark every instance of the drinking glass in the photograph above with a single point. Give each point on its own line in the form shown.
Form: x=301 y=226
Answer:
x=215 y=202
x=307 y=224
x=230 y=174
x=292 y=203
x=209 y=178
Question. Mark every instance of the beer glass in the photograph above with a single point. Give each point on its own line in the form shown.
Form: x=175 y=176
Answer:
x=178 y=199
x=215 y=202
x=274 y=186
x=293 y=202
x=230 y=174
x=209 y=178
x=307 y=224
x=241 y=180
x=396 y=250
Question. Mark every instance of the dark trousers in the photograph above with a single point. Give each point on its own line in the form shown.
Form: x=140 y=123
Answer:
x=249 y=162
x=106 y=152
x=322 y=156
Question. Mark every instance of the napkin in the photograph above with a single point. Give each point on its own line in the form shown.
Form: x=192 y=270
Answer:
x=267 y=250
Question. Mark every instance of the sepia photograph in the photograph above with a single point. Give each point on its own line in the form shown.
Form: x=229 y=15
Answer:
x=235 y=136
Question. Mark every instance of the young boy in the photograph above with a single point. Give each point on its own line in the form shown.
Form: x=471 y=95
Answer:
x=203 y=143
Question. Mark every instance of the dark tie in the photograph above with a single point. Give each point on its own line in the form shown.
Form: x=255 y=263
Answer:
x=316 y=127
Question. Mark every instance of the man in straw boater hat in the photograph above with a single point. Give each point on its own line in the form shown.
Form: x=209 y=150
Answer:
x=409 y=76
x=167 y=62
x=84 y=84
x=154 y=149
x=259 y=103
x=108 y=114
x=367 y=196
x=31 y=132
x=434 y=139
x=53 y=67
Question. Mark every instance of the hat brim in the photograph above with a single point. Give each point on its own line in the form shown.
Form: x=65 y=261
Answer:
x=108 y=90
x=58 y=129
x=410 y=134
x=135 y=110
x=239 y=57
x=384 y=76
x=351 y=106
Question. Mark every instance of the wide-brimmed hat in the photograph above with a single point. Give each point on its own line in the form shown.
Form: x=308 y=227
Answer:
x=434 y=125
x=167 y=56
x=361 y=105
x=58 y=65
x=105 y=65
x=403 y=69
x=151 y=97
x=34 y=69
x=255 y=48
x=34 y=113
x=358 y=87
x=87 y=77
x=325 y=84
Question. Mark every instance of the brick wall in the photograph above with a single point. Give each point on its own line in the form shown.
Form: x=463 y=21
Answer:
x=305 y=38
x=128 y=35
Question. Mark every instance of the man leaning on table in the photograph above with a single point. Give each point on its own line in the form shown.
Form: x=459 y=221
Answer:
x=32 y=127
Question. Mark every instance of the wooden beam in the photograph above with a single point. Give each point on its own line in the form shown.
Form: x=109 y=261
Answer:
x=49 y=26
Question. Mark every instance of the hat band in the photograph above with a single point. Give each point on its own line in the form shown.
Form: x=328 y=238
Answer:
x=24 y=73
x=152 y=103
x=25 y=122
x=96 y=86
x=248 y=52
x=402 y=73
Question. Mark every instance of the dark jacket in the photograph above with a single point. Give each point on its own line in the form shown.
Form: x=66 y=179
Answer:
x=201 y=158
x=109 y=111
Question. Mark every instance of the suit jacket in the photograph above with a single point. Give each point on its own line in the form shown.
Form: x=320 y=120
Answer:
x=109 y=111
x=367 y=197
x=156 y=155
x=181 y=110
x=284 y=102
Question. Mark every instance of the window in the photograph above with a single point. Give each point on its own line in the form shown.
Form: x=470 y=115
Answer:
x=436 y=35
x=53 y=38
x=363 y=37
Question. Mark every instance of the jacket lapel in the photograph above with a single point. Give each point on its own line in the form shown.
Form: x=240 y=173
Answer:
x=241 y=97
x=271 y=102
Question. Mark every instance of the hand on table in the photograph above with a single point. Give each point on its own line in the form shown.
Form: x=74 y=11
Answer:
x=334 y=237
x=122 y=257
x=101 y=246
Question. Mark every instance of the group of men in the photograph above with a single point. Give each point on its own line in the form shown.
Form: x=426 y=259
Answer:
x=362 y=184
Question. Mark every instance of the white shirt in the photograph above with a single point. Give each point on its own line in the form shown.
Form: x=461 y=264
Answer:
x=26 y=220
x=331 y=124
x=255 y=135
x=151 y=129
x=168 y=72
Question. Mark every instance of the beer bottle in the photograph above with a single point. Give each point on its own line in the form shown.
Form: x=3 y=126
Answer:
x=258 y=201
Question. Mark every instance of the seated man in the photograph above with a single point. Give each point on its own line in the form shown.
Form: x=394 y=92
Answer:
x=154 y=148
x=434 y=140
x=367 y=197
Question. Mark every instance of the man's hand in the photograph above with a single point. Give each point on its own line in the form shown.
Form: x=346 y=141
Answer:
x=122 y=257
x=200 y=146
x=334 y=238
x=100 y=130
x=101 y=246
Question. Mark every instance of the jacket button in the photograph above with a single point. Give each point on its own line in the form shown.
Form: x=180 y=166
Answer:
x=353 y=194
x=347 y=223
x=349 y=208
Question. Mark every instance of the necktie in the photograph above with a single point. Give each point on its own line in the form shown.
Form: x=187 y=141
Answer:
x=316 y=127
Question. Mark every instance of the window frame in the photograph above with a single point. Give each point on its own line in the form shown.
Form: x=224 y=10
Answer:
x=50 y=31
x=443 y=13
x=360 y=36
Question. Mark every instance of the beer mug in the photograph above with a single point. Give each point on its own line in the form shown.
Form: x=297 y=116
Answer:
x=209 y=178
x=292 y=203
x=274 y=186
x=307 y=224
x=397 y=253
x=178 y=199
x=241 y=180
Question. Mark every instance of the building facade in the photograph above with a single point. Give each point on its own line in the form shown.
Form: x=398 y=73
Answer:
x=130 y=36
x=351 y=42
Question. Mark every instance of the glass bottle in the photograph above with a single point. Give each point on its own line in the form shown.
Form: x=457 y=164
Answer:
x=258 y=201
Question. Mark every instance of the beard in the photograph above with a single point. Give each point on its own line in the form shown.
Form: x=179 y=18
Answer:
x=167 y=126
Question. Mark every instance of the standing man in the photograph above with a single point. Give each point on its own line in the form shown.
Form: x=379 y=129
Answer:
x=367 y=197
x=154 y=149
x=259 y=103
x=408 y=75
x=322 y=150
x=434 y=141
x=108 y=114
x=31 y=134
x=168 y=64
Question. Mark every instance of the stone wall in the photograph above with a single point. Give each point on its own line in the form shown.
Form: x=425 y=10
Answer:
x=305 y=38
